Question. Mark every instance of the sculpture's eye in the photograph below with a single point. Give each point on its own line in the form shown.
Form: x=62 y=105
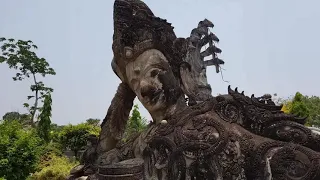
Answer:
x=154 y=72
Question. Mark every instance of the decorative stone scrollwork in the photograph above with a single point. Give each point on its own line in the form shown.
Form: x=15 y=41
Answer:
x=165 y=129
x=181 y=117
x=289 y=132
x=232 y=160
x=229 y=111
x=189 y=160
x=156 y=157
x=262 y=117
x=260 y=113
x=202 y=128
x=283 y=161
x=199 y=145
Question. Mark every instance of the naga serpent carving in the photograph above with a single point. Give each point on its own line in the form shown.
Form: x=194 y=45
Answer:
x=232 y=136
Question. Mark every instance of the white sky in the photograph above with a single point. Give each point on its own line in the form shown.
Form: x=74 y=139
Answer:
x=269 y=46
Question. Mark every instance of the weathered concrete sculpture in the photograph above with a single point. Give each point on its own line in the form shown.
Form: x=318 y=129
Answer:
x=231 y=136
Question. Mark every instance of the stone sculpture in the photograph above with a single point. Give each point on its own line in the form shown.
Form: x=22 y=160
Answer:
x=232 y=136
x=87 y=161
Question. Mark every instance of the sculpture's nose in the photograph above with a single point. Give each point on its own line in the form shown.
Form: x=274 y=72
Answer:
x=144 y=83
x=146 y=89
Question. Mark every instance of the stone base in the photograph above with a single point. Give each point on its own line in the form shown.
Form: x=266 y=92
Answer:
x=138 y=176
x=131 y=169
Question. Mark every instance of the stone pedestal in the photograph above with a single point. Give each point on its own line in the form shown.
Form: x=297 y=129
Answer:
x=131 y=169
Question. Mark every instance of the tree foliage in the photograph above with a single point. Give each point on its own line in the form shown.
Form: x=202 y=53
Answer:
x=74 y=137
x=24 y=119
x=298 y=106
x=135 y=124
x=9 y=116
x=313 y=105
x=53 y=167
x=92 y=121
x=20 y=55
x=305 y=106
x=19 y=151
x=286 y=108
x=43 y=127
x=55 y=131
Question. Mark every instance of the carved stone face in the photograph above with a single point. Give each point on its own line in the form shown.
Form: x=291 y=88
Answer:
x=151 y=78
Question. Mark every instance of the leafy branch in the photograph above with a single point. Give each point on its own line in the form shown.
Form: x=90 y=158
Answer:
x=20 y=55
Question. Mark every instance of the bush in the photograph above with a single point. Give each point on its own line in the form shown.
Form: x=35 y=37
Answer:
x=53 y=148
x=74 y=137
x=19 y=150
x=54 y=168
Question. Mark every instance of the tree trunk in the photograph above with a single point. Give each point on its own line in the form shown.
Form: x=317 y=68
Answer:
x=35 y=102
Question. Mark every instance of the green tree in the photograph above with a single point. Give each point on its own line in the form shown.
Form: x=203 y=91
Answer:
x=92 y=121
x=24 y=119
x=298 y=106
x=56 y=127
x=43 y=127
x=304 y=106
x=135 y=124
x=55 y=132
x=74 y=137
x=20 y=55
x=9 y=116
x=313 y=105
x=20 y=150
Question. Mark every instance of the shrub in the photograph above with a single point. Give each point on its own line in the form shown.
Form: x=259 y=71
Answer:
x=74 y=137
x=53 y=148
x=47 y=152
x=54 y=168
x=19 y=151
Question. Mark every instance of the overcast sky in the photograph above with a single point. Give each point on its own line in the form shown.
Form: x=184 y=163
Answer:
x=269 y=46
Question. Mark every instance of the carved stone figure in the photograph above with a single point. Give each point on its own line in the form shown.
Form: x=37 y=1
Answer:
x=87 y=161
x=232 y=136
